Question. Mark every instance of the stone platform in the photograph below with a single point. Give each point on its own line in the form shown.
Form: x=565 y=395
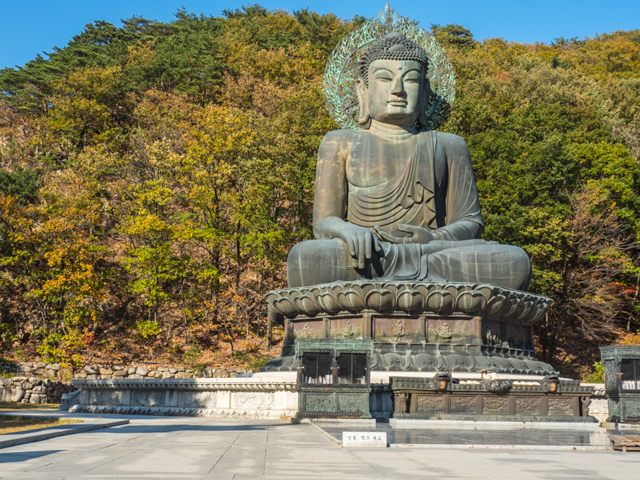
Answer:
x=416 y=326
x=209 y=397
x=275 y=395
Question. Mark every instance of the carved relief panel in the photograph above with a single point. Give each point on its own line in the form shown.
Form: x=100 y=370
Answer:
x=308 y=329
x=346 y=328
x=396 y=329
x=449 y=330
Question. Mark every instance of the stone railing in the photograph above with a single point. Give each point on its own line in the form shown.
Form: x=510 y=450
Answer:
x=214 y=397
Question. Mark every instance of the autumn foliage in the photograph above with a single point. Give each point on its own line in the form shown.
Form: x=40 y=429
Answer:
x=155 y=176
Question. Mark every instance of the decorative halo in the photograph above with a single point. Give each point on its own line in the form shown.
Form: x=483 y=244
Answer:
x=342 y=69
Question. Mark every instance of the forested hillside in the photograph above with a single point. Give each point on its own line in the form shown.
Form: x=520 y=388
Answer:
x=154 y=177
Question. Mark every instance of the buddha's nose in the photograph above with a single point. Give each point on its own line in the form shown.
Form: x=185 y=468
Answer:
x=397 y=87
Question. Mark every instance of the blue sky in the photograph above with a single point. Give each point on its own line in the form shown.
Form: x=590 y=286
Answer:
x=29 y=27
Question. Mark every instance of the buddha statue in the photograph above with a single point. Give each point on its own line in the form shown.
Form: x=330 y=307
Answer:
x=394 y=200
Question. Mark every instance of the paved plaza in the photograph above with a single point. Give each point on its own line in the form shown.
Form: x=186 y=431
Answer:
x=208 y=448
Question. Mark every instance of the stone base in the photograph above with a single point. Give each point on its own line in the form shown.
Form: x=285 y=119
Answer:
x=238 y=397
x=263 y=395
x=416 y=326
x=427 y=358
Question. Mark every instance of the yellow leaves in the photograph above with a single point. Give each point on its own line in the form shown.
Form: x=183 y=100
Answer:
x=92 y=82
x=141 y=53
x=221 y=136
x=52 y=256
x=7 y=205
x=145 y=224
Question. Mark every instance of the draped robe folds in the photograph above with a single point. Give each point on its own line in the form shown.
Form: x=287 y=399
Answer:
x=436 y=190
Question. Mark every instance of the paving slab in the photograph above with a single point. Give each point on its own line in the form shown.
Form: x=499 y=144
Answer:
x=87 y=425
x=457 y=435
x=209 y=448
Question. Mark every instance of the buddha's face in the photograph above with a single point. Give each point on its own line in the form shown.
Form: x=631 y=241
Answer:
x=395 y=91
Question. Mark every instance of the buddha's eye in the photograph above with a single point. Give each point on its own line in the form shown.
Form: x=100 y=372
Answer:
x=383 y=78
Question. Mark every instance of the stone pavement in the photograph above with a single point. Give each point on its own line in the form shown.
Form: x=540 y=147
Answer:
x=202 y=448
x=11 y=439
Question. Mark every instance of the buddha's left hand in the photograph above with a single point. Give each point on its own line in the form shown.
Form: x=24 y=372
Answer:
x=416 y=235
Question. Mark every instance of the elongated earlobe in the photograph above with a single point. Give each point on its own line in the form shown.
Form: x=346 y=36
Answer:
x=361 y=92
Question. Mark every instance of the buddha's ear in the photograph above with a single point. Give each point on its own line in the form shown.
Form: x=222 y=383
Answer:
x=363 y=101
x=426 y=93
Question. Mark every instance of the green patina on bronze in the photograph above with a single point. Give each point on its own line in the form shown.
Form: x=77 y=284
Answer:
x=344 y=64
x=327 y=394
x=622 y=381
x=398 y=258
x=497 y=399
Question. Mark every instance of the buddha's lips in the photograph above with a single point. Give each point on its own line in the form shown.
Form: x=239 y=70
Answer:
x=397 y=103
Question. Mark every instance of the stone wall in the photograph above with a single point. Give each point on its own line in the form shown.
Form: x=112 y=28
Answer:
x=112 y=372
x=39 y=382
x=107 y=372
x=32 y=390
x=33 y=369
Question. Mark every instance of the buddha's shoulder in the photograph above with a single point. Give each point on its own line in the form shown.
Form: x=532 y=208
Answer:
x=341 y=136
x=450 y=139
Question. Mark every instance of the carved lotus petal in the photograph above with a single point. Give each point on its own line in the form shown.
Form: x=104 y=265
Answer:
x=494 y=305
x=327 y=302
x=313 y=292
x=306 y=305
x=285 y=306
x=351 y=300
x=440 y=301
x=379 y=300
x=512 y=305
x=486 y=290
x=539 y=311
x=410 y=301
x=390 y=287
x=530 y=310
x=471 y=301
x=524 y=310
x=454 y=288
x=365 y=287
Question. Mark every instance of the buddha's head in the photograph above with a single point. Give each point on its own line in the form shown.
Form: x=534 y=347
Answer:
x=392 y=86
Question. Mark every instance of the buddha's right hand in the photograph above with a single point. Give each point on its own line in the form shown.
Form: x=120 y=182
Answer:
x=362 y=244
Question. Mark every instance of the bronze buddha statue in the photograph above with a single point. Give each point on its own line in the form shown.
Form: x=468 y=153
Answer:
x=394 y=200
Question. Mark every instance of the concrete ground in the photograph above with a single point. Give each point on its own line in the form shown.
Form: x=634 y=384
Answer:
x=194 y=448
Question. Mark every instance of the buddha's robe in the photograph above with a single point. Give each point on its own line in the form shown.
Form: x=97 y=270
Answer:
x=436 y=190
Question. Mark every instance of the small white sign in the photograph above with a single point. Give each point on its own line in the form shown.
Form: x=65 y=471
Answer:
x=364 y=439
